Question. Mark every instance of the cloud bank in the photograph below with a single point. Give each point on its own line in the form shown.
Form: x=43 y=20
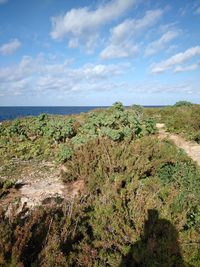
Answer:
x=39 y=75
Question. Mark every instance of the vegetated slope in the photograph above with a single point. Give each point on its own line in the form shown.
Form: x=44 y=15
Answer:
x=139 y=206
x=183 y=118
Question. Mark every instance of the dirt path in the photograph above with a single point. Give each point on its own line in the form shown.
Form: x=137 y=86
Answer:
x=191 y=148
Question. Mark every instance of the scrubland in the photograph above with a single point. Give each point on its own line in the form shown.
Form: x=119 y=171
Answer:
x=139 y=205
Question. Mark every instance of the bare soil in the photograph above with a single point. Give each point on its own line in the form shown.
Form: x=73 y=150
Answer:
x=38 y=183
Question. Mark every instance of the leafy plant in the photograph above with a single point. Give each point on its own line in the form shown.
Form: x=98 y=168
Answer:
x=64 y=153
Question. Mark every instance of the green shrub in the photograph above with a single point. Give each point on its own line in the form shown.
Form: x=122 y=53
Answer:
x=118 y=106
x=183 y=104
x=65 y=153
x=137 y=109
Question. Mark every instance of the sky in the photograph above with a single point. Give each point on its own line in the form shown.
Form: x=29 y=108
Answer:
x=94 y=53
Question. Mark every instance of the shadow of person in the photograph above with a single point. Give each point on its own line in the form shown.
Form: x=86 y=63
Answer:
x=158 y=246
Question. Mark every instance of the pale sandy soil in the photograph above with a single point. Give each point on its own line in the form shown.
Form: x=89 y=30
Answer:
x=38 y=184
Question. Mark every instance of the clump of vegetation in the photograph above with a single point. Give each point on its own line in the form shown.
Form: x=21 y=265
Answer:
x=183 y=104
x=139 y=110
x=115 y=123
x=65 y=153
x=5 y=185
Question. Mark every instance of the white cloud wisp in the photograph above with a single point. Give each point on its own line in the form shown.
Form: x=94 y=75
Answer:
x=156 y=46
x=175 y=60
x=122 y=43
x=10 y=47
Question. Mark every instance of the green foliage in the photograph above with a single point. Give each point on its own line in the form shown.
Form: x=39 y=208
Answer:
x=150 y=126
x=137 y=109
x=40 y=137
x=64 y=153
x=183 y=104
x=115 y=123
x=5 y=185
x=118 y=106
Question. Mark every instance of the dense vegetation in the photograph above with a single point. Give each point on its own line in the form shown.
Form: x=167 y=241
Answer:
x=55 y=137
x=140 y=203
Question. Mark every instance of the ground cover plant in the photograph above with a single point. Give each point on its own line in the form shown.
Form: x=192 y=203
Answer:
x=139 y=205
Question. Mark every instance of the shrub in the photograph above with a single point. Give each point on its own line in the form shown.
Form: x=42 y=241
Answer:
x=65 y=153
x=118 y=106
x=137 y=109
x=183 y=104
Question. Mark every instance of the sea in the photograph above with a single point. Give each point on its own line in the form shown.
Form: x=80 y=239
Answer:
x=10 y=113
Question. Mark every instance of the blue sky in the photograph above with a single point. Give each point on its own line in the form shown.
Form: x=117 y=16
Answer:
x=86 y=52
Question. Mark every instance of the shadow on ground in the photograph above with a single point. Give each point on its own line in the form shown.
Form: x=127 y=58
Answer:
x=158 y=247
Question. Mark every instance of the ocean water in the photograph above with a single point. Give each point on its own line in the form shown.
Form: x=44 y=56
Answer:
x=10 y=113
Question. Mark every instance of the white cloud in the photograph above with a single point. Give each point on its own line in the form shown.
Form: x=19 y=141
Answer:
x=121 y=43
x=36 y=76
x=10 y=47
x=161 y=43
x=131 y=26
x=187 y=68
x=122 y=50
x=3 y=1
x=175 y=60
x=81 y=23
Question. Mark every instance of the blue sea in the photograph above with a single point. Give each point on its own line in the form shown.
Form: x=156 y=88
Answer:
x=10 y=113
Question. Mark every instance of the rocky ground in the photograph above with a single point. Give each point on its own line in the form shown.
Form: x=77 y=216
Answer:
x=36 y=183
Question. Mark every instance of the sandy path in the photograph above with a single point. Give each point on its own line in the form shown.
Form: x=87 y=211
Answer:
x=191 y=148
